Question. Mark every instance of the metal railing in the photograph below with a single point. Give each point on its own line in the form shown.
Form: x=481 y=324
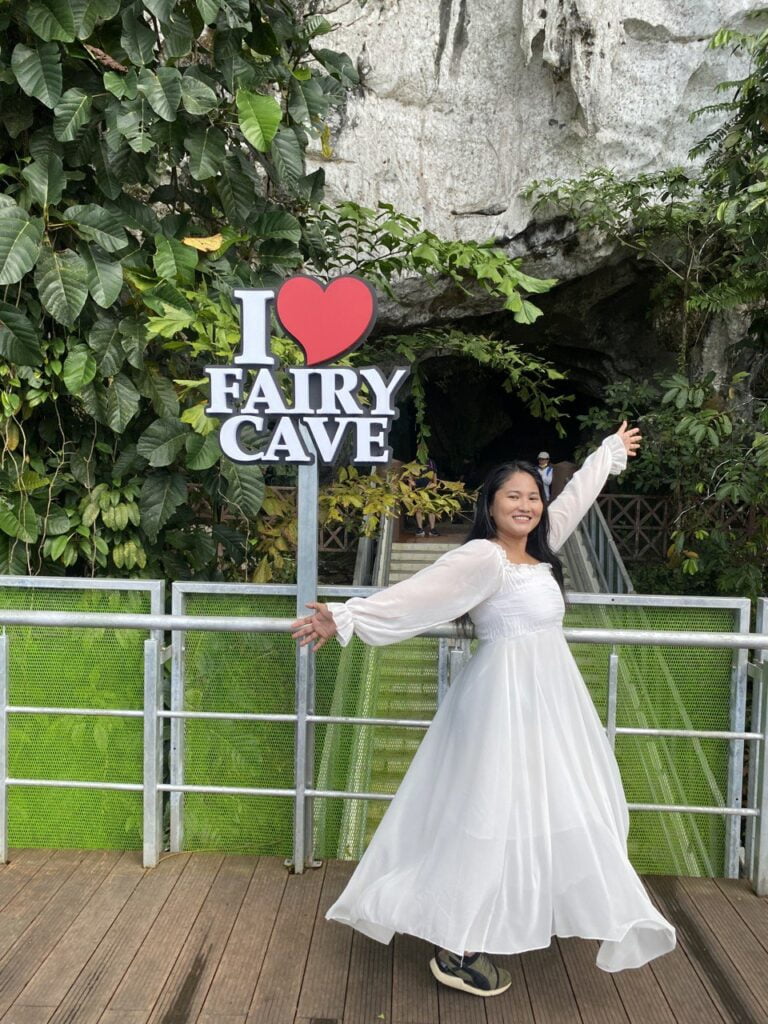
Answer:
x=607 y=563
x=304 y=719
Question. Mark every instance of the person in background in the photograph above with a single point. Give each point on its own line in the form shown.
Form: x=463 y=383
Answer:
x=545 y=472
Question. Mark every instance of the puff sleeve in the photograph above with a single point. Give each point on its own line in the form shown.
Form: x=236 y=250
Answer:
x=570 y=507
x=457 y=582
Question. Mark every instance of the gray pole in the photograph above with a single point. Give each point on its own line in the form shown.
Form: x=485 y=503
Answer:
x=306 y=590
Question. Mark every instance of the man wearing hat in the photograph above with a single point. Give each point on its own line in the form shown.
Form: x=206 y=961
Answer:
x=545 y=471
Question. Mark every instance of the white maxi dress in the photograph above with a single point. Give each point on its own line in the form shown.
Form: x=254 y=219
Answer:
x=510 y=825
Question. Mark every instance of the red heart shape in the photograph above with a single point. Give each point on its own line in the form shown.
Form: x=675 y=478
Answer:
x=326 y=320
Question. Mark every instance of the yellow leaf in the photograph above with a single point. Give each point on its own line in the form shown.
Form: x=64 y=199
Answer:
x=209 y=244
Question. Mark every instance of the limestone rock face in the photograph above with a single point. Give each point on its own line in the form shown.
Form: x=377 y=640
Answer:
x=463 y=102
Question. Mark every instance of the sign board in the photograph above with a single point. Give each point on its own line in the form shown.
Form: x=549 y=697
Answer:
x=310 y=409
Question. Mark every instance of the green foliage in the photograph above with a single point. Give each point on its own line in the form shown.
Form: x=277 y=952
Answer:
x=709 y=450
x=152 y=158
x=382 y=244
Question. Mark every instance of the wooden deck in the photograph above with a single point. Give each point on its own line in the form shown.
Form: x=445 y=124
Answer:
x=92 y=938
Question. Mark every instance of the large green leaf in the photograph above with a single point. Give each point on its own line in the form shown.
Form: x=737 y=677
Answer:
x=134 y=123
x=72 y=111
x=137 y=39
x=161 y=393
x=202 y=452
x=197 y=96
x=160 y=8
x=206 y=148
x=106 y=343
x=237 y=192
x=173 y=260
x=96 y=224
x=208 y=10
x=79 y=369
x=162 y=91
x=259 y=118
x=16 y=117
x=178 y=36
x=245 y=488
x=161 y=494
x=52 y=19
x=20 y=237
x=122 y=403
x=45 y=180
x=162 y=441
x=38 y=71
x=19 y=340
x=105 y=275
x=287 y=156
x=18 y=519
x=339 y=65
x=277 y=224
x=62 y=282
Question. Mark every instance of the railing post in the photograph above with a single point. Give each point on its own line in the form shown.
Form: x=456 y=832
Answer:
x=176 y=767
x=3 y=747
x=613 y=693
x=760 y=878
x=738 y=701
x=153 y=753
x=306 y=590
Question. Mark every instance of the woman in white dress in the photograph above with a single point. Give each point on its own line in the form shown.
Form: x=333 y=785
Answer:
x=510 y=825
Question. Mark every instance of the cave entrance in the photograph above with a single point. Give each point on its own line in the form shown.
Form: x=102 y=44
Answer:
x=476 y=423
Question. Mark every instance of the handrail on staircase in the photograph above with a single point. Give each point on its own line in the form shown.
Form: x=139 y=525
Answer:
x=604 y=555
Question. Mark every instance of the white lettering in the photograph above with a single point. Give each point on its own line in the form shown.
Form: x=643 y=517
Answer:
x=326 y=444
x=226 y=384
x=337 y=389
x=266 y=393
x=371 y=440
x=286 y=439
x=254 y=327
x=229 y=438
x=384 y=390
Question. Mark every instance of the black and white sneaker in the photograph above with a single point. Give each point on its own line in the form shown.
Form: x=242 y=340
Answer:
x=476 y=974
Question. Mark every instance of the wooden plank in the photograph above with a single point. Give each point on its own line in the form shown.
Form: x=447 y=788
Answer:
x=549 y=989
x=747 y=956
x=596 y=994
x=691 y=998
x=414 y=989
x=277 y=992
x=642 y=997
x=514 y=1005
x=88 y=996
x=28 y=1015
x=23 y=959
x=124 y=1017
x=216 y=1018
x=14 y=875
x=20 y=911
x=235 y=980
x=324 y=988
x=150 y=968
x=750 y=907
x=187 y=986
x=369 y=992
x=51 y=982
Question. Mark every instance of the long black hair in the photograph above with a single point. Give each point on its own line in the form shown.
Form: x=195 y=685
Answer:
x=483 y=527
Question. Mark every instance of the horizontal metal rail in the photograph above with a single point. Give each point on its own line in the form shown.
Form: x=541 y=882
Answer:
x=131 y=787
x=237 y=624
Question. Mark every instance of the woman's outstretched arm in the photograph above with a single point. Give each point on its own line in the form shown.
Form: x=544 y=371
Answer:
x=570 y=507
x=454 y=584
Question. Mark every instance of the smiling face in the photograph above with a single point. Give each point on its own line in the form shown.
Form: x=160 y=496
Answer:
x=516 y=507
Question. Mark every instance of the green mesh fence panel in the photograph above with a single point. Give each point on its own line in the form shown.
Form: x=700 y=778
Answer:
x=673 y=688
x=241 y=672
x=86 y=668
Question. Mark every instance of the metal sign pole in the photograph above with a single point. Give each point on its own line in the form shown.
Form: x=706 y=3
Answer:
x=306 y=590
